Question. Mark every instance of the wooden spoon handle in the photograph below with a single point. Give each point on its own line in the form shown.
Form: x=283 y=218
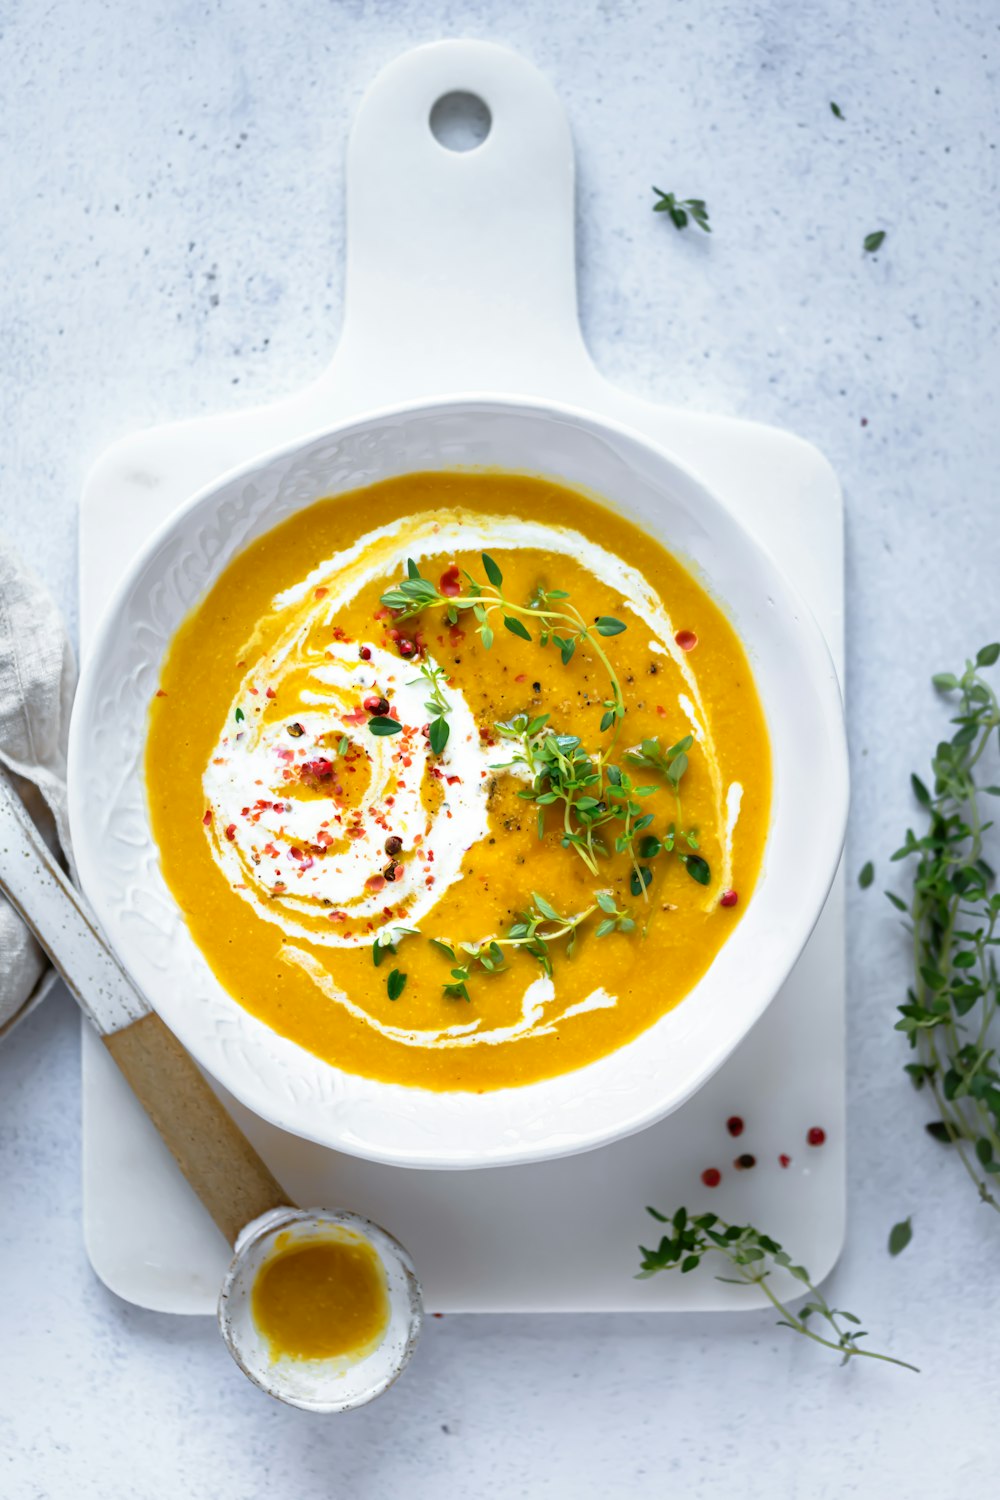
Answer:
x=210 y=1149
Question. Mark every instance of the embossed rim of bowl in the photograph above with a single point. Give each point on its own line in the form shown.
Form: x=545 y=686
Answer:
x=618 y=1094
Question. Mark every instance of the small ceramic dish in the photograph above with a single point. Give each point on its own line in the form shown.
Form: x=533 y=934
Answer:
x=629 y=1088
x=319 y=1385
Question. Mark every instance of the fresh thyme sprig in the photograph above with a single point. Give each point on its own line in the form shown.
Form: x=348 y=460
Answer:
x=682 y=209
x=564 y=627
x=754 y=1256
x=592 y=794
x=950 y=1014
x=621 y=793
x=437 y=704
x=561 y=772
x=672 y=764
x=616 y=918
x=487 y=958
x=533 y=932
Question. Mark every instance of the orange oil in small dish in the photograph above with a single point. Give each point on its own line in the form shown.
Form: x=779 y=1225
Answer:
x=325 y=1297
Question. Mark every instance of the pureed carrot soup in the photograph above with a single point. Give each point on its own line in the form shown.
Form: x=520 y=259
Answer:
x=460 y=781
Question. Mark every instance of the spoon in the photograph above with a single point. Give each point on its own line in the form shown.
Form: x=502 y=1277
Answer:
x=249 y=1205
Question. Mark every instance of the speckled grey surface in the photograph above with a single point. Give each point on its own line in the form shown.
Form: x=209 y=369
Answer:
x=171 y=243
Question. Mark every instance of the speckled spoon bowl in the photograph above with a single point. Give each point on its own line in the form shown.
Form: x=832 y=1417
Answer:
x=639 y=1082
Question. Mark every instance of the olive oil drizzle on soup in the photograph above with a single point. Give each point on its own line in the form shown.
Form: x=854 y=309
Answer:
x=478 y=835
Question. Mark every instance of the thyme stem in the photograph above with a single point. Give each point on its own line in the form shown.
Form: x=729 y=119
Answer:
x=754 y=1256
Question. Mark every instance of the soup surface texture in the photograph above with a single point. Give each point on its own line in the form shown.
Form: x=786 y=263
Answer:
x=460 y=781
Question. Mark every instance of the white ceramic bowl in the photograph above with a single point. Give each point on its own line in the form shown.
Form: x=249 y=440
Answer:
x=621 y=1093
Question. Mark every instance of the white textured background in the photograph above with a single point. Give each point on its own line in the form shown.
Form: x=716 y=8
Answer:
x=172 y=229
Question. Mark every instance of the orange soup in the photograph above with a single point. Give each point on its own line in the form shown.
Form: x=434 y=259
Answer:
x=461 y=781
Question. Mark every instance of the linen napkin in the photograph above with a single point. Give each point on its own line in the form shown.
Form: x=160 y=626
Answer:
x=37 y=679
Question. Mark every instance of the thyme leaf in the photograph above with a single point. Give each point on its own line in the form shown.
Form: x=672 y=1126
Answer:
x=900 y=1236
x=680 y=210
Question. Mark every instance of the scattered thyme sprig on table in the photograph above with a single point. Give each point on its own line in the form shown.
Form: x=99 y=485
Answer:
x=754 y=1256
x=565 y=627
x=950 y=1014
x=682 y=209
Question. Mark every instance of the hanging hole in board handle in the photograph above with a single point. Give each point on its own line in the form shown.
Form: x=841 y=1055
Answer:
x=460 y=121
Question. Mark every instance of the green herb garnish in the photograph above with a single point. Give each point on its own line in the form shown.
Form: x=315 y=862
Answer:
x=388 y=941
x=239 y=716
x=395 y=984
x=565 y=628
x=836 y=110
x=754 y=1257
x=534 y=931
x=382 y=724
x=682 y=209
x=616 y=919
x=437 y=705
x=866 y=875
x=697 y=867
x=874 y=241
x=671 y=763
x=953 y=913
x=900 y=1236
x=593 y=794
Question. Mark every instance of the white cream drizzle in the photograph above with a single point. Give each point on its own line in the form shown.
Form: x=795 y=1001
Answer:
x=257 y=762
x=532 y=1021
x=267 y=840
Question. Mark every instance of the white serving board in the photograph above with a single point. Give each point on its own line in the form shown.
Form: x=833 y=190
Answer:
x=460 y=278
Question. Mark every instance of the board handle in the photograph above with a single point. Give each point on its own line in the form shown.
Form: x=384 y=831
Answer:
x=215 y=1156
x=460 y=264
x=213 y=1153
